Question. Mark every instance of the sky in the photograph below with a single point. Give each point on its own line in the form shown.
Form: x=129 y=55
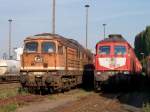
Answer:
x=30 y=17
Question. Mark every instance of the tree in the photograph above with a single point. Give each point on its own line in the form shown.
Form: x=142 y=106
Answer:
x=142 y=43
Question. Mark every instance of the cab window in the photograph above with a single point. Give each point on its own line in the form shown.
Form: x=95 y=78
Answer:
x=31 y=47
x=104 y=50
x=48 y=47
x=120 y=50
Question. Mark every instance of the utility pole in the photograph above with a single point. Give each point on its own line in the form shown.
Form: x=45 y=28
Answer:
x=53 y=16
x=87 y=17
x=104 y=25
x=9 y=40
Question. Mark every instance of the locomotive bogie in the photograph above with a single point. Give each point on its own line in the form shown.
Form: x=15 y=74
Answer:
x=105 y=76
x=56 y=80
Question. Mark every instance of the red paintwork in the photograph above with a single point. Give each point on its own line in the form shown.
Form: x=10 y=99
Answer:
x=132 y=64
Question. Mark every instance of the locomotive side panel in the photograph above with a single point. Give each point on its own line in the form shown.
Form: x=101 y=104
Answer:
x=135 y=65
x=61 y=57
x=72 y=59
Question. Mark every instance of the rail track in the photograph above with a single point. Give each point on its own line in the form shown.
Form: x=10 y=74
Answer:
x=9 y=82
x=9 y=79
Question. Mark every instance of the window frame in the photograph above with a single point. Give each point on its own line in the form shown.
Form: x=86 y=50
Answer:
x=123 y=46
x=104 y=46
x=32 y=47
x=42 y=47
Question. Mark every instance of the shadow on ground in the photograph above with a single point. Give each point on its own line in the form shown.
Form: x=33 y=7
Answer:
x=88 y=77
x=136 y=93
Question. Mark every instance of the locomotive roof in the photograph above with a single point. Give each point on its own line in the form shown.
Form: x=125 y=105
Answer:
x=53 y=36
x=67 y=41
x=114 y=38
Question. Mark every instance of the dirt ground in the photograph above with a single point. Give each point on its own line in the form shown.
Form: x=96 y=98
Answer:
x=95 y=103
x=78 y=101
x=53 y=101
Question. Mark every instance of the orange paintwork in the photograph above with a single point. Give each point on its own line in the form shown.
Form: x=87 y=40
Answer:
x=69 y=59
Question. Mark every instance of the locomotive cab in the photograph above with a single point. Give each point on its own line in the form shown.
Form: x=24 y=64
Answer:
x=40 y=61
x=33 y=55
x=111 y=59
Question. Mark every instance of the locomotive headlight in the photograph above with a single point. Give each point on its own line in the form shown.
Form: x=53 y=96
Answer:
x=24 y=73
x=38 y=76
x=38 y=73
x=98 y=73
x=126 y=72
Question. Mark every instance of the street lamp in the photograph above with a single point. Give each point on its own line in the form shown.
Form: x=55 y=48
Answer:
x=142 y=54
x=142 y=59
x=53 y=16
x=87 y=14
x=104 y=25
x=9 y=40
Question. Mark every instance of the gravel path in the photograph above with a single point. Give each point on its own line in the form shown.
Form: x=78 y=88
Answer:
x=79 y=101
x=53 y=101
x=96 y=103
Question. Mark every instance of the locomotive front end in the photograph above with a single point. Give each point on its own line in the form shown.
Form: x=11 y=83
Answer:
x=38 y=63
x=112 y=60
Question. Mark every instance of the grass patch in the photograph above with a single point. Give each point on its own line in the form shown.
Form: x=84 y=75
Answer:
x=8 y=108
x=10 y=92
x=7 y=92
x=51 y=97
x=146 y=107
x=75 y=94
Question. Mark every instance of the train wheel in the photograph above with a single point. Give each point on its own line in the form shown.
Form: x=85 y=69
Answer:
x=43 y=90
x=68 y=85
x=50 y=90
x=97 y=86
x=22 y=90
x=30 y=89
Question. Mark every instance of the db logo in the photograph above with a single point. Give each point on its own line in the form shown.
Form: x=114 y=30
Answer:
x=112 y=62
x=38 y=59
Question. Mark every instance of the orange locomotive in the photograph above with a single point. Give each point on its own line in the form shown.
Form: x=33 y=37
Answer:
x=53 y=62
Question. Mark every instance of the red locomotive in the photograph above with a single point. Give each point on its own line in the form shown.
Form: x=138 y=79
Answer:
x=114 y=56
